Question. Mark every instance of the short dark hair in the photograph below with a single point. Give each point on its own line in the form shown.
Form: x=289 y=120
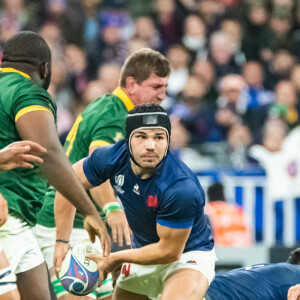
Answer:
x=294 y=257
x=215 y=192
x=142 y=63
x=26 y=47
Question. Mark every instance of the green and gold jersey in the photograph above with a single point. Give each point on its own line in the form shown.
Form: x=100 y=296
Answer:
x=23 y=189
x=102 y=123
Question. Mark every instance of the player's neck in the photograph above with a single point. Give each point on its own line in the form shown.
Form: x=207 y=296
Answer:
x=23 y=67
x=142 y=173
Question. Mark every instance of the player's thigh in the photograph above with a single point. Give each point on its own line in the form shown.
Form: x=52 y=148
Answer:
x=185 y=284
x=8 y=285
x=33 y=283
x=120 y=294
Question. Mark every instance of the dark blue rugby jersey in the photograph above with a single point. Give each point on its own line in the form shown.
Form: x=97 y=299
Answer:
x=258 y=282
x=172 y=196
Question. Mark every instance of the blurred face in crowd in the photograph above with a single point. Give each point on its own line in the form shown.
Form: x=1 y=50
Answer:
x=286 y=93
x=76 y=59
x=204 y=69
x=258 y=15
x=151 y=90
x=194 y=90
x=180 y=136
x=253 y=74
x=280 y=26
x=93 y=90
x=178 y=57
x=194 y=26
x=221 y=47
x=232 y=28
x=239 y=135
x=144 y=28
x=274 y=134
x=149 y=146
x=231 y=87
x=283 y=63
x=109 y=74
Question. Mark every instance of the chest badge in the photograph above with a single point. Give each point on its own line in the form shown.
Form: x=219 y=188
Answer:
x=152 y=201
x=136 y=189
x=119 y=182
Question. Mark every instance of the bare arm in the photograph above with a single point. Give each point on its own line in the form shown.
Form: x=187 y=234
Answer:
x=39 y=127
x=116 y=219
x=3 y=210
x=169 y=248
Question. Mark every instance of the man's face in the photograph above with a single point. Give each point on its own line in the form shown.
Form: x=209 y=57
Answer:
x=149 y=146
x=151 y=90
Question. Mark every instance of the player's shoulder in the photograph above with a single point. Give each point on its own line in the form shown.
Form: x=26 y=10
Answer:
x=176 y=176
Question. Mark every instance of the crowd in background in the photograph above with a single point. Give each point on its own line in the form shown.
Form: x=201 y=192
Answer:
x=235 y=65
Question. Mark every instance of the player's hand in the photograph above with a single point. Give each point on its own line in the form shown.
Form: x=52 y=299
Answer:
x=3 y=210
x=21 y=154
x=294 y=292
x=95 y=226
x=120 y=230
x=105 y=265
x=60 y=252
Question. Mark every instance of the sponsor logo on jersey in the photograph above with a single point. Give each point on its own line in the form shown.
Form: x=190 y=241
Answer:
x=126 y=270
x=119 y=182
x=152 y=201
x=191 y=262
x=136 y=189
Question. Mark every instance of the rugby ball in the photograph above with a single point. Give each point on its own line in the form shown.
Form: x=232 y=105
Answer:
x=79 y=275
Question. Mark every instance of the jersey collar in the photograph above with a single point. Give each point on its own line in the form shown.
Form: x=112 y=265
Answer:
x=12 y=70
x=124 y=98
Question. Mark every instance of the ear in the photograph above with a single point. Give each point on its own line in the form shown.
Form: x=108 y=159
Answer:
x=44 y=70
x=131 y=85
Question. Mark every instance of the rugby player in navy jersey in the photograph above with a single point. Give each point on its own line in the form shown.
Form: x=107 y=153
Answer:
x=272 y=282
x=163 y=202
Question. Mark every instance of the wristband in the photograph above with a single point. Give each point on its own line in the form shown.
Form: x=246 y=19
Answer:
x=62 y=241
x=111 y=206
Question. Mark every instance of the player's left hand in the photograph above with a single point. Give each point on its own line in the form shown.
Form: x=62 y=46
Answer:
x=105 y=264
x=294 y=292
x=120 y=230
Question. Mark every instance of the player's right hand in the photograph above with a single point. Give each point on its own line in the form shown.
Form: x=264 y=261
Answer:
x=3 y=210
x=95 y=227
x=294 y=292
x=21 y=154
x=60 y=252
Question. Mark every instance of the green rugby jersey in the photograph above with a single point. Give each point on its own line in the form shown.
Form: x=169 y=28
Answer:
x=23 y=189
x=100 y=124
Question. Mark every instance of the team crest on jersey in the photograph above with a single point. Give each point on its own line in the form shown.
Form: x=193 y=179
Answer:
x=136 y=189
x=193 y=262
x=152 y=201
x=119 y=182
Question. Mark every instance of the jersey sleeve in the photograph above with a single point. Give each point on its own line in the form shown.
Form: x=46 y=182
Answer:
x=106 y=135
x=33 y=101
x=179 y=206
x=96 y=167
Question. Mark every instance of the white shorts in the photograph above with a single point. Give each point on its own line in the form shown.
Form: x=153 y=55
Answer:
x=19 y=245
x=46 y=237
x=150 y=280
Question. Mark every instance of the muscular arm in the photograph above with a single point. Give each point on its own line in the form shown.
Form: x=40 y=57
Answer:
x=39 y=127
x=167 y=250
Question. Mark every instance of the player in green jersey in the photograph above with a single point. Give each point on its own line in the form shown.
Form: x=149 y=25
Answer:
x=143 y=79
x=28 y=113
x=19 y=154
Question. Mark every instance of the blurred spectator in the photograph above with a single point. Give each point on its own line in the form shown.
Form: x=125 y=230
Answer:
x=221 y=54
x=258 y=98
x=286 y=106
x=136 y=44
x=295 y=77
x=168 y=22
x=194 y=38
x=211 y=12
x=204 y=70
x=145 y=30
x=279 y=68
x=108 y=75
x=229 y=222
x=239 y=141
x=179 y=59
x=77 y=67
x=194 y=111
x=256 y=37
x=233 y=28
x=232 y=102
x=180 y=145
